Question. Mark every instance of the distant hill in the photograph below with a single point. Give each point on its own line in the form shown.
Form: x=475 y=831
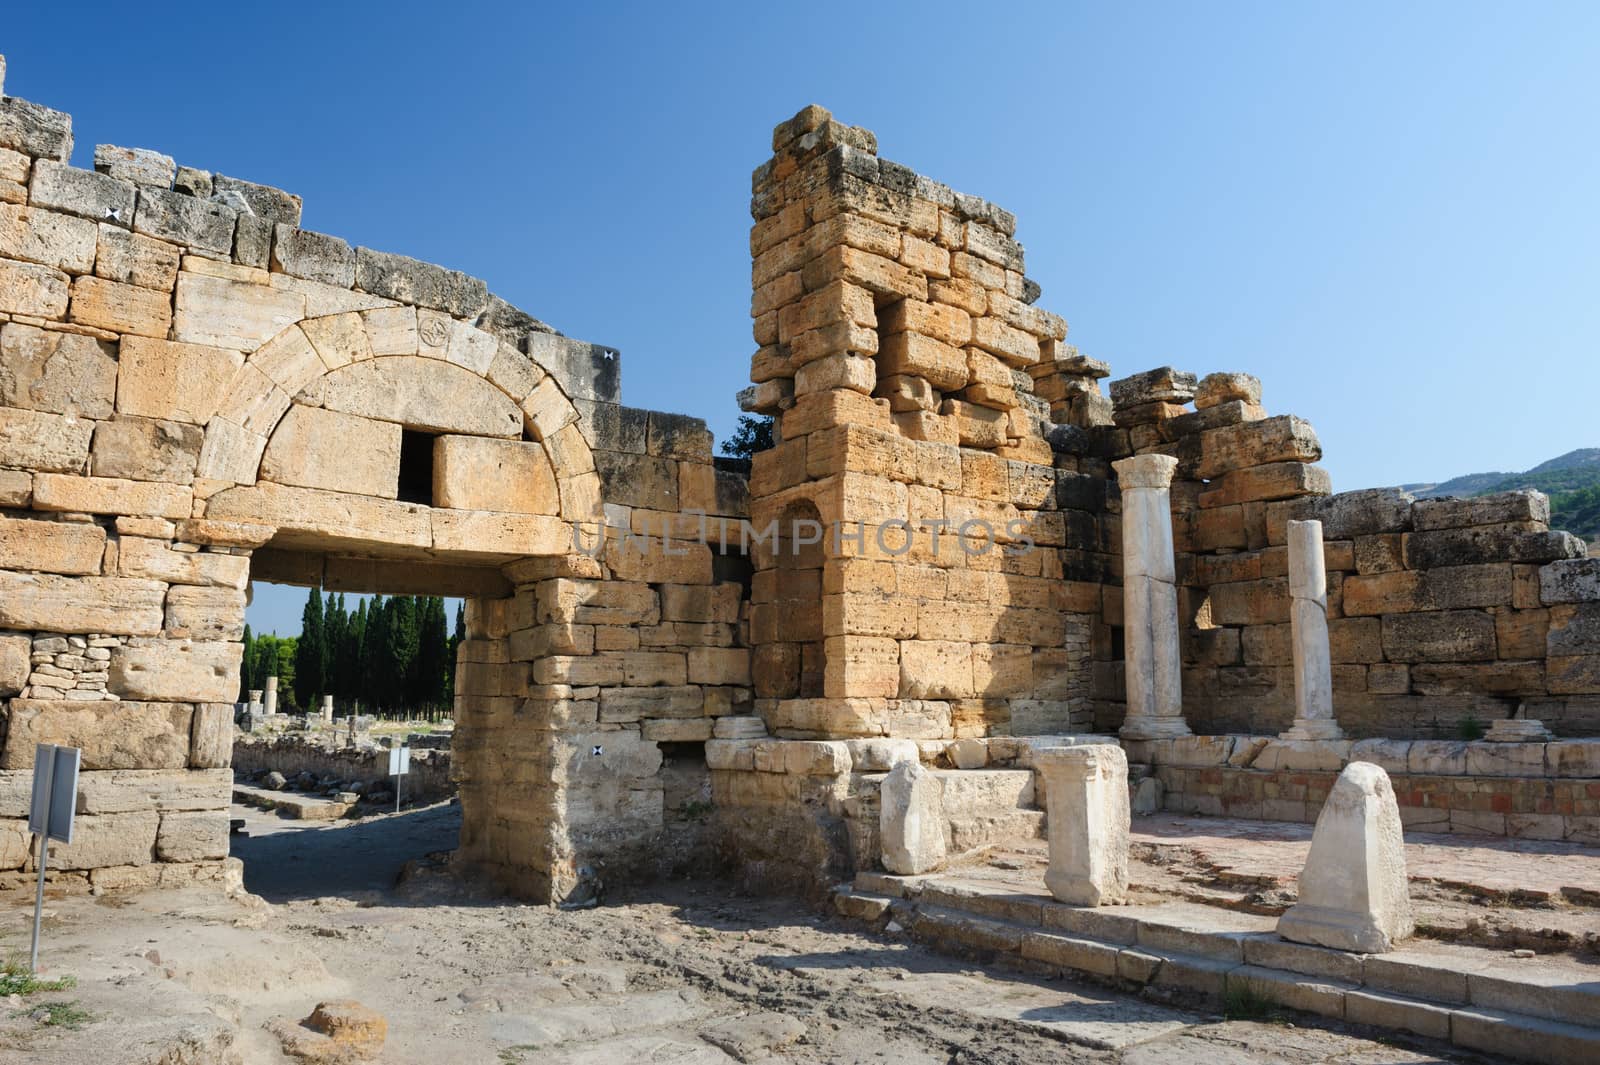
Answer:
x=1572 y=481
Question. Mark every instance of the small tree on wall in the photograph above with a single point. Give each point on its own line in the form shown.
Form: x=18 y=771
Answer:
x=752 y=434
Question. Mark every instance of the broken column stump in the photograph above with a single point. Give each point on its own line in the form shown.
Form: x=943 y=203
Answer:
x=1086 y=792
x=911 y=820
x=1353 y=890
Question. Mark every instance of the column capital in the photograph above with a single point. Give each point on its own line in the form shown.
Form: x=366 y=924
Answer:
x=1145 y=471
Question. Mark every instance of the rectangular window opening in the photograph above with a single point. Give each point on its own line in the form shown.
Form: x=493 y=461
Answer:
x=416 y=467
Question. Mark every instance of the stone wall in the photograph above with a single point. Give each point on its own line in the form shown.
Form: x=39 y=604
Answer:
x=429 y=780
x=1442 y=612
x=913 y=382
x=195 y=392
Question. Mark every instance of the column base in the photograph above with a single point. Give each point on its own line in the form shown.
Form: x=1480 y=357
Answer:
x=1154 y=728
x=1313 y=729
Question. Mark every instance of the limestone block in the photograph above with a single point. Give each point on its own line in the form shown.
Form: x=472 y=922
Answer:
x=139 y=556
x=1450 y=512
x=339 y=339
x=40 y=441
x=935 y=669
x=1490 y=543
x=33 y=128
x=16 y=488
x=860 y=667
x=103 y=840
x=911 y=820
x=204 y=613
x=1353 y=890
x=1088 y=817
x=51 y=546
x=113 y=735
x=49 y=239
x=111 y=495
x=204 y=225
x=124 y=790
x=391 y=330
x=477 y=473
x=146 y=449
x=313 y=256
x=192 y=836
x=1440 y=636
x=1272 y=481
x=658 y=561
x=488 y=533
x=622 y=705
x=1218 y=388
x=27 y=288
x=1574 y=580
x=138 y=165
x=1282 y=439
x=43 y=602
x=97 y=197
x=913 y=355
x=15 y=663
x=407 y=280
x=880 y=755
x=262 y=201
x=238 y=315
x=422 y=393
x=120 y=308
x=336 y=452
x=230 y=453
x=186 y=670
x=353 y=520
x=719 y=665
x=63 y=373
x=180 y=382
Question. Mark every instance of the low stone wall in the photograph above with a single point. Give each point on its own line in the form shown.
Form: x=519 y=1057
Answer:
x=428 y=780
x=1545 y=791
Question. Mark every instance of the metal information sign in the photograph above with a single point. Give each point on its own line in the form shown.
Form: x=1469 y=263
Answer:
x=399 y=766
x=50 y=815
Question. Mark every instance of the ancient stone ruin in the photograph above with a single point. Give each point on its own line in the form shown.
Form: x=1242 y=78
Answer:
x=958 y=552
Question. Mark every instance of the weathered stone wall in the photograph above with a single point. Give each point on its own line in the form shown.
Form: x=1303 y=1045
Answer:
x=430 y=777
x=195 y=392
x=913 y=383
x=1441 y=612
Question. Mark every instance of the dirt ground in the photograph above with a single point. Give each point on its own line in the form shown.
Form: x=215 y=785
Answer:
x=687 y=972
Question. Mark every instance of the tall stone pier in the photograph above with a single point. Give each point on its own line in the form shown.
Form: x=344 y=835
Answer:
x=1150 y=600
x=1308 y=616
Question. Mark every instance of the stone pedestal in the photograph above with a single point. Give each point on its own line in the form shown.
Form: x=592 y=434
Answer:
x=1308 y=616
x=270 y=701
x=911 y=820
x=1353 y=890
x=1086 y=795
x=1152 y=662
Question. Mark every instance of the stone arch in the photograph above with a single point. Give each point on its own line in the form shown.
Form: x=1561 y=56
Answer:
x=410 y=367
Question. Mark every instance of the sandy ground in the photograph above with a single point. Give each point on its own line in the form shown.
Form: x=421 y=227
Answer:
x=687 y=972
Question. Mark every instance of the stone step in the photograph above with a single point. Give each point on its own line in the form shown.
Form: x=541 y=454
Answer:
x=292 y=804
x=1549 y=1014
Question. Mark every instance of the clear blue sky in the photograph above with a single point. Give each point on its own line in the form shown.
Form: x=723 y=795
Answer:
x=1391 y=213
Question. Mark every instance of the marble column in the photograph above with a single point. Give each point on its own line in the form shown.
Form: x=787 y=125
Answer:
x=271 y=703
x=327 y=709
x=1152 y=661
x=1308 y=616
x=1086 y=796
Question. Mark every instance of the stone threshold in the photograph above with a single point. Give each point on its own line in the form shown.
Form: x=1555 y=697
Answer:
x=1467 y=996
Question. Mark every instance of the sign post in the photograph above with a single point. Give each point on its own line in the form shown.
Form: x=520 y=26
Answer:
x=50 y=816
x=399 y=766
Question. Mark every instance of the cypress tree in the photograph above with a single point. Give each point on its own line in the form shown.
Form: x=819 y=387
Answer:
x=402 y=653
x=354 y=662
x=308 y=663
x=284 y=652
x=433 y=643
x=247 y=666
x=334 y=622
